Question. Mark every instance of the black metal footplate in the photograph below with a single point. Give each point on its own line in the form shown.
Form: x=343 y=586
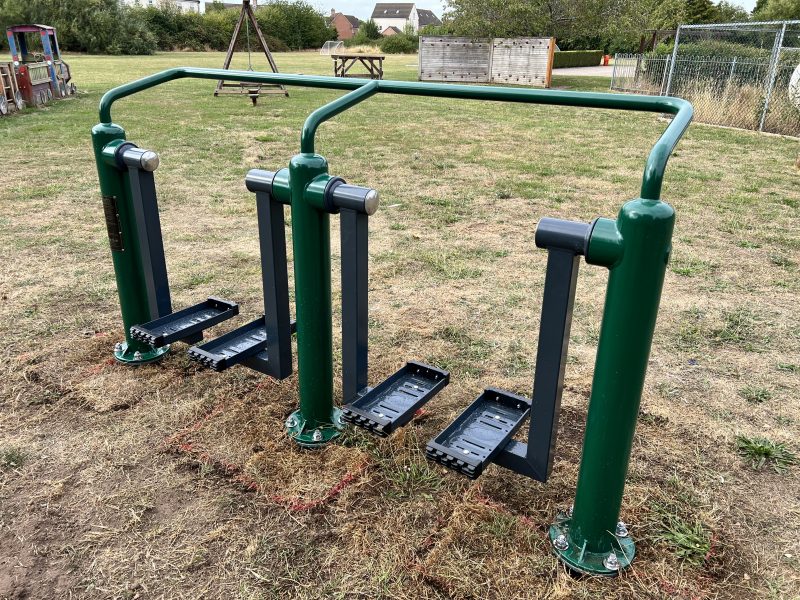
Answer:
x=232 y=348
x=185 y=325
x=245 y=345
x=479 y=433
x=260 y=361
x=393 y=403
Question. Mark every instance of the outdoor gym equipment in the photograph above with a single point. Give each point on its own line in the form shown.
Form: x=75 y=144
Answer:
x=635 y=248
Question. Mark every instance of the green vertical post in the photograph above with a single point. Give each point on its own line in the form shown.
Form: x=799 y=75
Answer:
x=636 y=249
x=317 y=421
x=125 y=251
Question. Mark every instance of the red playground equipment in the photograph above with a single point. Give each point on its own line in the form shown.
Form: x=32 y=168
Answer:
x=41 y=74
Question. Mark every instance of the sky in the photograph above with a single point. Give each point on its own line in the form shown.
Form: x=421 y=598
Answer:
x=363 y=8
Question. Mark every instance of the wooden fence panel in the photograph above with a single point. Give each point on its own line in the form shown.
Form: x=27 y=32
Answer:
x=455 y=59
x=520 y=61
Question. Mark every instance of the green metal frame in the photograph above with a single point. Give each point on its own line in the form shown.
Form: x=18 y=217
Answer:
x=635 y=248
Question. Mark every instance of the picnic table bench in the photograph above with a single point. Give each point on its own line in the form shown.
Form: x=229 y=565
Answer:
x=342 y=63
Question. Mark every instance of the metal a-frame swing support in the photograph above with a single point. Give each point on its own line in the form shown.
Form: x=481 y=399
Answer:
x=250 y=88
x=635 y=248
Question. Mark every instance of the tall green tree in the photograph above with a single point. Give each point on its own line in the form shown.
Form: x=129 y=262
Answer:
x=369 y=29
x=777 y=10
x=700 y=11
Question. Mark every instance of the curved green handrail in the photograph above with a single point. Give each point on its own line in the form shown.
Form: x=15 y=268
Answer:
x=653 y=171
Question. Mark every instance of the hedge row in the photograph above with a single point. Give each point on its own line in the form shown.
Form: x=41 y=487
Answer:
x=577 y=58
x=110 y=27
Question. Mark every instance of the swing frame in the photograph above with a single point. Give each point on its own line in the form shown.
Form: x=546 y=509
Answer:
x=251 y=89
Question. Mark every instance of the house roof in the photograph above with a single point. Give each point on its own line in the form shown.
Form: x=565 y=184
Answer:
x=394 y=30
x=392 y=10
x=355 y=22
x=426 y=17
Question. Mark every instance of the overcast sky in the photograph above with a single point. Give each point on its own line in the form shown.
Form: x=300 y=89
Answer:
x=363 y=8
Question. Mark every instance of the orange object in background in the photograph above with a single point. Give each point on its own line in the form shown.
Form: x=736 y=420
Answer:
x=606 y=59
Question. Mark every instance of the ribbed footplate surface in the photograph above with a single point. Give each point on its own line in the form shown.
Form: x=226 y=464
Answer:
x=470 y=442
x=393 y=403
x=233 y=347
x=185 y=323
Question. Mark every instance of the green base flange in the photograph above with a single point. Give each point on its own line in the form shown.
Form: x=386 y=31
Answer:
x=315 y=437
x=131 y=356
x=579 y=560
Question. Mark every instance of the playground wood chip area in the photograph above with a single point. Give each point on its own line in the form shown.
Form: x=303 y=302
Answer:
x=173 y=481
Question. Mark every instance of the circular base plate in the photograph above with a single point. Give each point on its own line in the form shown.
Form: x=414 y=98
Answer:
x=129 y=356
x=592 y=563
x=314 y=437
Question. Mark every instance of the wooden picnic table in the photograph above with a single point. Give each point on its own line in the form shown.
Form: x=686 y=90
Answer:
x=372 y=62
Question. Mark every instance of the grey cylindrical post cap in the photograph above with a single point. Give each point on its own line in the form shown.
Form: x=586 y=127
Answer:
x=371 y=202
x=259 y=181
x=138 y=158
x=354 y=197
x=149 y=160
x=559 y=233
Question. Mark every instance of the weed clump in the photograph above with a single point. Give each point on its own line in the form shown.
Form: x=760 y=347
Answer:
x=11 y=458
x=761 y=452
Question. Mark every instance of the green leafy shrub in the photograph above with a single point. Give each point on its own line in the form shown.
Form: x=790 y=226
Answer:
x=110 y=27
x=577 y=58
x=399 y=44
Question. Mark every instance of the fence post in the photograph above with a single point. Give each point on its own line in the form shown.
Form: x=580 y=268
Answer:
x=773 y=71
x=672 y=64
x=667 y=62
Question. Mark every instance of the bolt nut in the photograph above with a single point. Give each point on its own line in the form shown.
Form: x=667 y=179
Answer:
x=291 y=422
x=317 y=435
x=561 y=543
x=137 y=355
x=118 y=347
x=621 y=530
x=610 y=562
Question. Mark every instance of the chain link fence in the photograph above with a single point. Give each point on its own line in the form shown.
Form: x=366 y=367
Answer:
x=735 y=74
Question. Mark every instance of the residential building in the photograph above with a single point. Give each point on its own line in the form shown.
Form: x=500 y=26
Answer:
x=401 y=15
x=346 y=25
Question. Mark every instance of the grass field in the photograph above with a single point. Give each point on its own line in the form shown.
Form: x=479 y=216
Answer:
x=169 y=481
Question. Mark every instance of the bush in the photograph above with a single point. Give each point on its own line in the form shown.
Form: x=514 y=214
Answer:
x=577 y=58
x=96 y=26
x=109 y=27
x=399 y=44
x=296 y=23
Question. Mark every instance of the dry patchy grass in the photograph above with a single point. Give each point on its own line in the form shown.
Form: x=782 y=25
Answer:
x=171 y=481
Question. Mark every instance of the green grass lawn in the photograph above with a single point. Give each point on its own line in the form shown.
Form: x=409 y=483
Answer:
x=172 y=481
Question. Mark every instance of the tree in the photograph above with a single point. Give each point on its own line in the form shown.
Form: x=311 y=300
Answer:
x=777 y=10
x=369 y=29
x=731 y=13
x=700 y=11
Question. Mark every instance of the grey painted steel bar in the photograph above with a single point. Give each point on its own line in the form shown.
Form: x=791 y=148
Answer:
x=355 y=315
x=551 y=358
x=148 y=226
x=565 y=242
x=275 y=280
